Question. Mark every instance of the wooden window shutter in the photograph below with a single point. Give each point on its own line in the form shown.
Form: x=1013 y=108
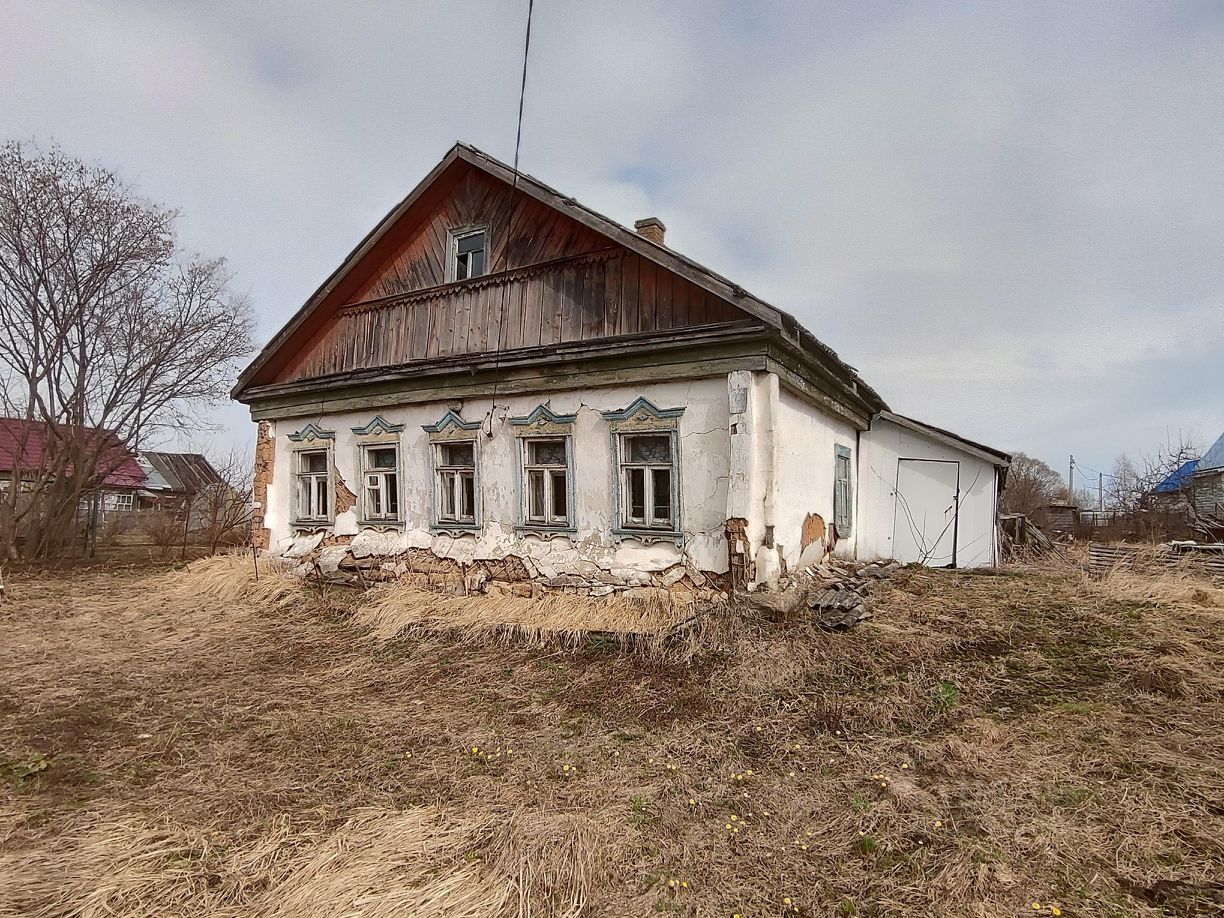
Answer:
x=843 y=496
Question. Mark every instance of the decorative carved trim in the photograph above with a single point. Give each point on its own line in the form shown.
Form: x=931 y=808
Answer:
x=485 y=280
x=312 y=432
x=376 y=427
x=643 y=415
x=451 y=427
x=543 y=421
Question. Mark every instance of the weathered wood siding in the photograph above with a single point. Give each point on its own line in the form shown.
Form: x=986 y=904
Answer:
x=553 y=281
x=573 y=299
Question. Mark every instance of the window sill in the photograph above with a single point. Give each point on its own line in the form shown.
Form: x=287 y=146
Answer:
x=649 y=536
x=311 y=525
x=454 y=528
x=381 y=524
x=546 y=532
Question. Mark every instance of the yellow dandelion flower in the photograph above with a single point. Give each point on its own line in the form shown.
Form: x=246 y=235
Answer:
x=692 y=802
x=786 y=901
x=804 y=847
x=475 y=749
x=684 y=884
x=904 y=765
x=1055 y=911
x=671 y=882
x=938 y=823
x=734 y=818
x=727 y=826
x=1036 y=906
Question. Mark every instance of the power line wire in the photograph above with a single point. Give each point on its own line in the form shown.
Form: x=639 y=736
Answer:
x=518 y=141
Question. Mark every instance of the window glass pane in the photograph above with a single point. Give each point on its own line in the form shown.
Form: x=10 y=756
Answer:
x=472 y=242
x=469 y=496
x=637 y=494
x=381 y=458
x=560 y=496
x=448 y=494
x=662 y=494
x=374 y=496
x=391 y=493
x=476 y=264
x=535 y=495
x=320 y=506
x=460 y=454
x=546 y=452
x=461 y=268
x=650 y=449
x=314 y=461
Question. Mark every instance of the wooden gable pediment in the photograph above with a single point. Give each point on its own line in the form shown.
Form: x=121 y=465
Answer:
x=553 y=278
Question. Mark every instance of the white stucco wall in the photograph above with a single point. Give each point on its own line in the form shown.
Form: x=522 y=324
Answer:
x=880 y=449
x=806 y=440
x=703 y=457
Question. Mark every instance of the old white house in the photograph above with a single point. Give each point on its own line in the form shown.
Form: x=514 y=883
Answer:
x=498 y=378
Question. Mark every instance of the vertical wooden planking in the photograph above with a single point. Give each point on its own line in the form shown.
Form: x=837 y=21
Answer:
x=569 y=327
x=629 y=295
x=663 y=300
x=612 y=295
x=594 y=299
x=533 y=315
x=647 y=299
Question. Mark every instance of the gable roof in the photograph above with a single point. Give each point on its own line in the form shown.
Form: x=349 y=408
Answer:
x=1213 y=459
x=987 y=453
x=23 y=445
x=185 y=472
x=665 y=257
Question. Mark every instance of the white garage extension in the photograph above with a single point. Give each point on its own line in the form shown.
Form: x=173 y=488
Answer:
x=926 y=495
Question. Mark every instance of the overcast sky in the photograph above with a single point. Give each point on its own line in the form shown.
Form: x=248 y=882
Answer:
x=1009 y=218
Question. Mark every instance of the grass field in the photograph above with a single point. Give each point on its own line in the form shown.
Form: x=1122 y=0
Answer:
x=1017 y=743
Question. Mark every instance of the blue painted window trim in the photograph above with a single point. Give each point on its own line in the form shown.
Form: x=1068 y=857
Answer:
x=844 y=521
x=524 y=527
x=620 y=427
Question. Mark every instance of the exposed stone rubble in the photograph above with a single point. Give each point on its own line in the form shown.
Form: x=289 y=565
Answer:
x=837 y=594
x=359 y=562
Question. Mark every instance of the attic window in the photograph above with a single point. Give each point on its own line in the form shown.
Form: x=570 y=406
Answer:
x=469 y=253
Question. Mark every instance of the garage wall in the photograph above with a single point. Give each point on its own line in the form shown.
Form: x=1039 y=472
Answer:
x=880 y=448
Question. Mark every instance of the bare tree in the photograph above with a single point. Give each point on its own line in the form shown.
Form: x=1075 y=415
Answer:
x=107 y=332
x=224 y=508
x=1133 y=483
x=1031 y=484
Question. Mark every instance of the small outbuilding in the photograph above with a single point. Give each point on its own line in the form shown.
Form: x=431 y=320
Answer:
x=927 y=495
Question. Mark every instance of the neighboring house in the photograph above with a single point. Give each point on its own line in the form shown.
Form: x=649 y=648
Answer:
x=1207 y=485
x=25 y=455
x=182 y=483
x=498 y=375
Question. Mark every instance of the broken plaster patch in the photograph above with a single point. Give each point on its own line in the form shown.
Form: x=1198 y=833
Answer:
x=373 y=542
x=302 y=544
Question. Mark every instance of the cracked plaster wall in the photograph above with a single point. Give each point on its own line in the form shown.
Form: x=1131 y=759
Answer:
x=704 y=477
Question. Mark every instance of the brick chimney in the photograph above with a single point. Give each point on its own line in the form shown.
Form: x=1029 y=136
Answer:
x=652 y=228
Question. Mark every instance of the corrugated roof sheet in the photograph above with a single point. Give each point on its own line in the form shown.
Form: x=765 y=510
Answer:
x=185 y=472
x=1177 y=479
x=1214 y=457
x=23 y=445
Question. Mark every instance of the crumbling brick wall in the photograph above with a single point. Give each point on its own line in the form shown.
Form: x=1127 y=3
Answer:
x=265 y=455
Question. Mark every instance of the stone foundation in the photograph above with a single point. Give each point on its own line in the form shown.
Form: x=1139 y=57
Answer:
x=338 y=560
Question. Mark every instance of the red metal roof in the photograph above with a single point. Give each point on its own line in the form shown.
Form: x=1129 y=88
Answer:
x=23 y=446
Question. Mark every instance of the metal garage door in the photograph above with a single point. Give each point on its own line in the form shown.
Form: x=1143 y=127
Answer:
x=924 y=528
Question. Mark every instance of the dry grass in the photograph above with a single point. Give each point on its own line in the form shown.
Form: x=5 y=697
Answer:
x=191 y=747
